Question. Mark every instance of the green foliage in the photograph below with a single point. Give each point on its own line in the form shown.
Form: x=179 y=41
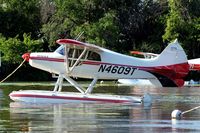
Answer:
x=175 y=22
x=183 y=24
x=18 y=17
x=35 y=25
x=102 y=32
x=70 y=14
x=138 y=23
x=13 y=48
x=120 y=25
x=32 y=45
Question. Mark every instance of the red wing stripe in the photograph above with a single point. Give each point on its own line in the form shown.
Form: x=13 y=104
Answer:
x=69 y=41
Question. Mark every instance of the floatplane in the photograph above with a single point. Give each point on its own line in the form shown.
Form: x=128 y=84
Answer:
x=79 y=59
x=194 y=65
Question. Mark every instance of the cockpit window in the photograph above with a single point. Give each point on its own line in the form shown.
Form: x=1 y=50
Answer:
x=75 y=53
x=93 y=56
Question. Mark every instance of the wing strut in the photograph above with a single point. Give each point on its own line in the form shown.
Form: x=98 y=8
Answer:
x=66 y=59
x=59 y=83
x=77 y=61
x=75 y=84
x=69 y=62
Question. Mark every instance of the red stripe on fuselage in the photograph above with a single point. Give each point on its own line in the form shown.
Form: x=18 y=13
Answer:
x=173 y=72
x=47 y=59
x=157 y=68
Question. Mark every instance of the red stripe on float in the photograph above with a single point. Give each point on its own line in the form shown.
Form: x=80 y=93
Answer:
x=70 y=98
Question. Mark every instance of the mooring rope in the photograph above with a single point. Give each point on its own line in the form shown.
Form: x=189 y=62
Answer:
x=13 y=71
x=190 y=110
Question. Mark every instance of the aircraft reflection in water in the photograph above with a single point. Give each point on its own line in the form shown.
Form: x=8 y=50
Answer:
x=73 y=117
x=111 y=117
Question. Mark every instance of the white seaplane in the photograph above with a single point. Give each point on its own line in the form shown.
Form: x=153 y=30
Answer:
x=78 y=59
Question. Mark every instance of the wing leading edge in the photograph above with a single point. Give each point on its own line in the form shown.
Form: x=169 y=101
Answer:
x=79 y=45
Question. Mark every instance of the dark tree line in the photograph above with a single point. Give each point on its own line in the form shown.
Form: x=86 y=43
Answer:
x=120 y=25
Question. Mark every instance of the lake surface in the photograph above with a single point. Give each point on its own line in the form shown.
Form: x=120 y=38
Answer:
x=104 y=117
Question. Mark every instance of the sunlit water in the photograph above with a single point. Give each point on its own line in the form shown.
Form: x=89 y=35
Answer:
x=104 y=117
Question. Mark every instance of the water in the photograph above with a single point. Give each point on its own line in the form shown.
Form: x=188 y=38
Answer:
x=104 y=117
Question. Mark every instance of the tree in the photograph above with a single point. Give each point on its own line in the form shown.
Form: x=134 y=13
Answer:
x=130 y=23
x=18 y=17
x=13 y=48
x=104 y=32
x=139 y=24
x=68 y=15
x=183 y=23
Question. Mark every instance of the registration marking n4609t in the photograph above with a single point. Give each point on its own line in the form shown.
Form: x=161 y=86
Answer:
x=126 y=70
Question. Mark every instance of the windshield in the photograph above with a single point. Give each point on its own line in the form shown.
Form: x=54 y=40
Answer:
x=60 y=50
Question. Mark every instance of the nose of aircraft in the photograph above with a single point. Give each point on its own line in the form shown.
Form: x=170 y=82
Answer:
x=26 y=56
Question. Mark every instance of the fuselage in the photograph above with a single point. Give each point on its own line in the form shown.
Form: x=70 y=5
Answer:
x=110 y=66
x=97 y=62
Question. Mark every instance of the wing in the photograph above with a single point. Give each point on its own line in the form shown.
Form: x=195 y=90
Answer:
x=78 y=45
x=146 y=55
x=194 y=64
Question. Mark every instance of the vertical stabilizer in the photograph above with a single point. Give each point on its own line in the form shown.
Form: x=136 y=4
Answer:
x=173 y=65
x=173 y=54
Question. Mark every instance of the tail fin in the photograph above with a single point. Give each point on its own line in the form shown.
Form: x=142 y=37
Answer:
x=173 y=54
x=172 y=66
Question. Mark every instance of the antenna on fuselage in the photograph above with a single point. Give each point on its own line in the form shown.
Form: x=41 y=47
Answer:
x=79 y=35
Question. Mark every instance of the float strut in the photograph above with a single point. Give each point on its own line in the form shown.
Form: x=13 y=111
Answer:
x=76 y=85
x=91 y=86
x=59 y=83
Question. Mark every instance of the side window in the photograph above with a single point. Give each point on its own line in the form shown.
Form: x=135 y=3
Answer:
x=72 y=53
x=75 y=53
x=94 y=56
